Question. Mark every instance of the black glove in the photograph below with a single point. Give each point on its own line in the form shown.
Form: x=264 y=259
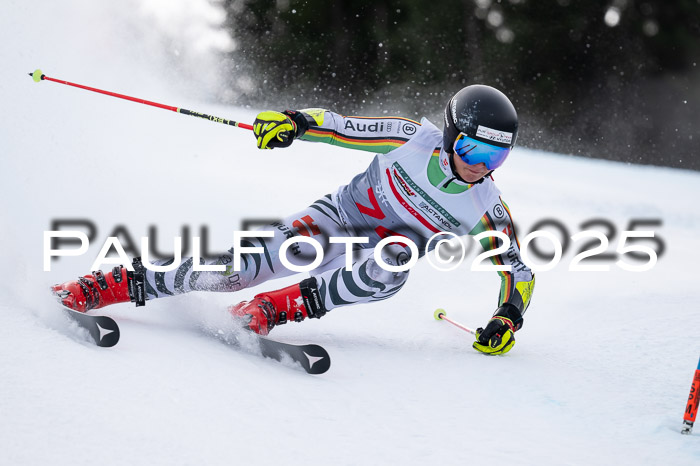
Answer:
x=497 y=337
x=300 y=120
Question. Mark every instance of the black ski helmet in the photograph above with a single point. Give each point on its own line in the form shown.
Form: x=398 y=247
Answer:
x=482 y=113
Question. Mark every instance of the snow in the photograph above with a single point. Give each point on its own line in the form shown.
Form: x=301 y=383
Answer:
x=599 y=375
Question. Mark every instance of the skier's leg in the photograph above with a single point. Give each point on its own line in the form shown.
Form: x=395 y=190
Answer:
x=318 y=221
x=367 y=281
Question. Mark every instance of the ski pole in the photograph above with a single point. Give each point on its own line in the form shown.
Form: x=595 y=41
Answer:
x=691 y=409
x=440 y=314
x=37 y=76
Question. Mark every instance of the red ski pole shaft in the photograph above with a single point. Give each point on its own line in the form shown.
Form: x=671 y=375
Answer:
x=440 y=314
x=39 y=76
x=691 y=410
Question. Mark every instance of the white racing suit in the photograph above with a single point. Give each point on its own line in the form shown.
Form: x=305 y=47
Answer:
x=408 y=190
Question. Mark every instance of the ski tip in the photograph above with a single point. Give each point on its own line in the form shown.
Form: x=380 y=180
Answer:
x=318 y=361
x=439 y=313
x=37 y=75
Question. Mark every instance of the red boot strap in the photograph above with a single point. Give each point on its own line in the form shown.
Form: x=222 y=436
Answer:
x=269 y=312
x=92 y=296
x=100 y=277
x=117 y=274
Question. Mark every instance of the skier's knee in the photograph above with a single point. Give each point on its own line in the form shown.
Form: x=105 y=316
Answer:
x=393 y=255
x=386 y=277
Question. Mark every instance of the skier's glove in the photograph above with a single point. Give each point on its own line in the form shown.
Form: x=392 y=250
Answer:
x=278 y=129
x=497 y=337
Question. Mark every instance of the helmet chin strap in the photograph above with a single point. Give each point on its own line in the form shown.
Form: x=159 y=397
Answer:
x=456 y=175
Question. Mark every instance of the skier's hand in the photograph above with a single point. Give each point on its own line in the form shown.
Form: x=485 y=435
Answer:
x=497 y=337
x=274 y=129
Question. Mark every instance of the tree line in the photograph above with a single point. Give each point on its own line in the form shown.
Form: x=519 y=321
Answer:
x=615 y=79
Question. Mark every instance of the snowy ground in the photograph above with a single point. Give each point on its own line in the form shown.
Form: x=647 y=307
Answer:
x=600 y=373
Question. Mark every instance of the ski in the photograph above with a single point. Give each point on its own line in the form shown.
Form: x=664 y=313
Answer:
x=103 y=330
x=313 y=358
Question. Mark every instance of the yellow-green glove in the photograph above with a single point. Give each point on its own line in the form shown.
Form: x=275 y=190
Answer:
x=498 y=335
x=274 y=129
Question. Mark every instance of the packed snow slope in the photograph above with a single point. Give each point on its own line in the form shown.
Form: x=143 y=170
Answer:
x=599 y=375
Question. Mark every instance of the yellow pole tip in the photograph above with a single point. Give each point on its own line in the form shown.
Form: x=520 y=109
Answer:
x=439 y=313
x=36 y=76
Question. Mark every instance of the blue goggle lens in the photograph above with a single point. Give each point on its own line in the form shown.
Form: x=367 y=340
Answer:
x=474 y=152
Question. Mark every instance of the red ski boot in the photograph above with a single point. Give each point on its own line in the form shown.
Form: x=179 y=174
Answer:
x=296 y=302
x=98 y=289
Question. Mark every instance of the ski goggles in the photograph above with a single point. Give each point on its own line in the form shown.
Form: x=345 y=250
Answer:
x=475 y=152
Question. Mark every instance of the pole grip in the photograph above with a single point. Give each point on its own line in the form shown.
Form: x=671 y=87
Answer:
x=213 y=118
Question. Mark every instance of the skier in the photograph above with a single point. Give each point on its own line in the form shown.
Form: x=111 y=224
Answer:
x=421 y=182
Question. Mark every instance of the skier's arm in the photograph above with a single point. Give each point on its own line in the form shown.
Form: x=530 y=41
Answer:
x=516 y=285
x=372 y=134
